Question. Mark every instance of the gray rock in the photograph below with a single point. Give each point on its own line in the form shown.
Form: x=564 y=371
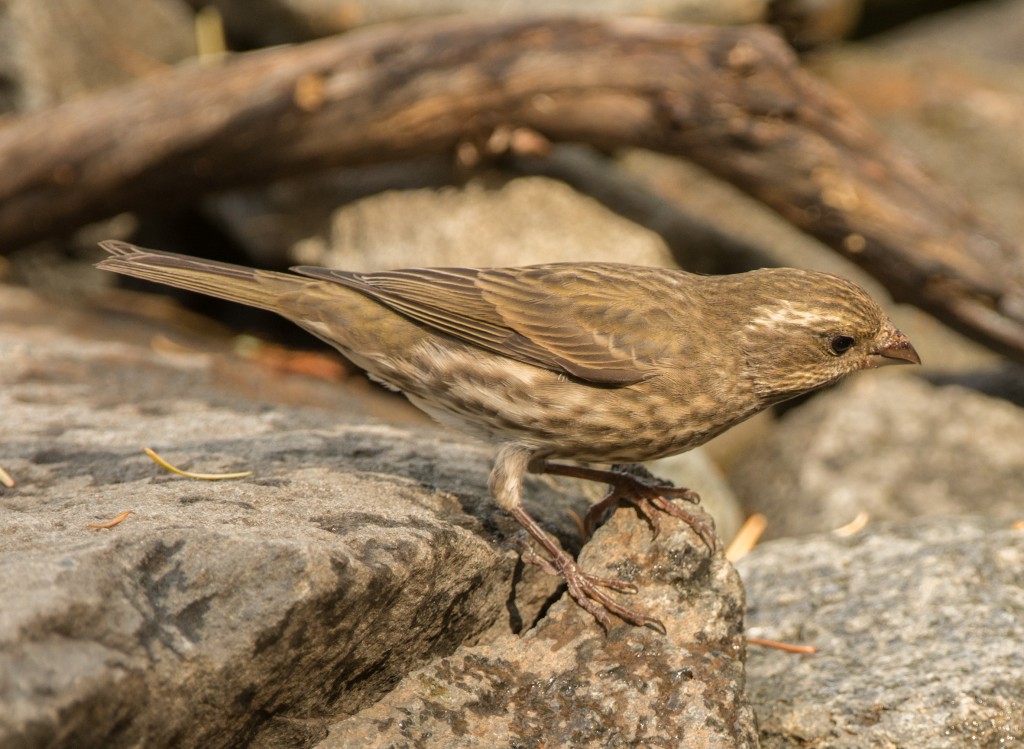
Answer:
x=890 y=445
x=268 y=221
x=524 y=221
x=919 y=628
x=810 y=23
x=992 y=30
x=566 y=683
x=485 y=222
x=55 y=50
x=948 y=88
x=219 y=610
x=696 y=470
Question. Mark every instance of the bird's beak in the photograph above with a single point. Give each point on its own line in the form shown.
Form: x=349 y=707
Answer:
x=894 y=349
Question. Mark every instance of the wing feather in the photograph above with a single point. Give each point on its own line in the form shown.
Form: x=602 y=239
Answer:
x=592 y=321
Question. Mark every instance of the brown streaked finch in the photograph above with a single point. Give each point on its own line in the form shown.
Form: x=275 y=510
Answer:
x=592 y=362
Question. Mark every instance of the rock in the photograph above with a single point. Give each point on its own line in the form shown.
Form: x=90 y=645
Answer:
x=514 y=222
x=696 y=470
x=918 y=627
x=46 y=59
x=217 y=611
x=948 y=88
x=889 y=445
x=524 y=221
x=268 y=221
x=992 y=30
x=810 y=23
x=566 y=683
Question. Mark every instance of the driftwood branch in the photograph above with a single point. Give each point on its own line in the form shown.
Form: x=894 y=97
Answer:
x=731 y=99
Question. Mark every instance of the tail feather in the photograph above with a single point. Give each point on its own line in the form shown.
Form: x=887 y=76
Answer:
x=236 y=283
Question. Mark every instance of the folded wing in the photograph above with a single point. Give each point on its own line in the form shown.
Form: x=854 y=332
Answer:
x=588 y=321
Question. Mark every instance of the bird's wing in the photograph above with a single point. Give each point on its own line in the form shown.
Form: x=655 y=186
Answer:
x=592 y=321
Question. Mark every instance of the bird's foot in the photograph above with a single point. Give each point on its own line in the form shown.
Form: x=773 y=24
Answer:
x=650 y=500
x=586 y=589
x=645 y=494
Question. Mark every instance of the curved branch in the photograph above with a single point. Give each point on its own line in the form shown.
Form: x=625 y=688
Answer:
x=731 y=99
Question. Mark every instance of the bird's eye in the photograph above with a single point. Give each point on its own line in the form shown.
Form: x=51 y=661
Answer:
x=840 y=344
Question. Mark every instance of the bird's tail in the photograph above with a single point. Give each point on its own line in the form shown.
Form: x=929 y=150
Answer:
x=236 y=283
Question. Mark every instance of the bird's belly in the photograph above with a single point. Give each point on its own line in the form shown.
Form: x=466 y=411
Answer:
x=567 y=418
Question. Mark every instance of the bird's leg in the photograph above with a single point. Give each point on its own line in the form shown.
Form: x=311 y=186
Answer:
x=644 y=494
x=506 y=485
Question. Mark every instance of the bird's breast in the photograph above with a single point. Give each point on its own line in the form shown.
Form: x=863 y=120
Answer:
x=503 y=400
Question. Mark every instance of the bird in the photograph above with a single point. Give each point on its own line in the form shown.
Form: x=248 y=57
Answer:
x=589 y=362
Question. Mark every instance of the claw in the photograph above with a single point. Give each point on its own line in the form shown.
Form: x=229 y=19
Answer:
x=705 y=531
x=649 y=499
x=583 y=587
x=586 y=589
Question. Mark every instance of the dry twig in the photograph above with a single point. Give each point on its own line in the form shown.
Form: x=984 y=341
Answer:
x=111 y=523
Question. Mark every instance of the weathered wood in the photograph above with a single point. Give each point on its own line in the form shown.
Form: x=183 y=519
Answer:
x=731 y=99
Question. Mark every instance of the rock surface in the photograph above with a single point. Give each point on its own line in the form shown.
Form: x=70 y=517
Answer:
x=46 y=59
x=568 y=684
x=483 y=223
x=889 y=445
x=919 y=628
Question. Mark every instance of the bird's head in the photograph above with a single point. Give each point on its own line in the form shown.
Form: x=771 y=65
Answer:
x=804 y=330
